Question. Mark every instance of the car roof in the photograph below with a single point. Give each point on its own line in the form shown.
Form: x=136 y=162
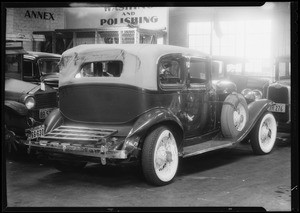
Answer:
x=140 y=62
x=139 y=50
x=35 y=55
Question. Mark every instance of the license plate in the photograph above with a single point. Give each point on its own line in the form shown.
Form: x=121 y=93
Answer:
x=43 y=113
x=277 y=108
x=35 y=132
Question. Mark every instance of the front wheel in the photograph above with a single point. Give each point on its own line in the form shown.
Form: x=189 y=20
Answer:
x=160 y=156
x=263 y=136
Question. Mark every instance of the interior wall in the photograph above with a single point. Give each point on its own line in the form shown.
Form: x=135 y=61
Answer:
x=24 y=21
x=279 y=13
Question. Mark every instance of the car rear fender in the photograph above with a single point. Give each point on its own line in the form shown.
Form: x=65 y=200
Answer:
x=16 y=107
x=148 y=120
x=53 y=120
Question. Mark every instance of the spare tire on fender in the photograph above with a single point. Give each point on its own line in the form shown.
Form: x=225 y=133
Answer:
x=234 y=115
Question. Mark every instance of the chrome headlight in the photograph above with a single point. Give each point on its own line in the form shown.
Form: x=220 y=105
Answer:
x=248 y=94
x=257 y=94
x=29 y=102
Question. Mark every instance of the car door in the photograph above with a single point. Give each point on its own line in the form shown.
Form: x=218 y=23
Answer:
x=200 y=98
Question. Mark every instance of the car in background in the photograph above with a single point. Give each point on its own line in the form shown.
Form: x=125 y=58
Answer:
x=26 y=104
x=146 y=103
x=233 y=69
x=280 y=92
x=41 y=67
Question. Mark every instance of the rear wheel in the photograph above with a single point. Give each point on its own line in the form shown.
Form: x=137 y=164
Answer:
x=68 y=166
x=160 y=156
x=263 y=136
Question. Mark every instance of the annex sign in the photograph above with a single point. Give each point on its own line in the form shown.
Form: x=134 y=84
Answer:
x=144 y=17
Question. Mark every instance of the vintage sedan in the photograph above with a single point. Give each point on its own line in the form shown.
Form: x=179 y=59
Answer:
x=233 y=69
x=151 y=104
x=26 y=104
x=280 y=92
x=41 y=67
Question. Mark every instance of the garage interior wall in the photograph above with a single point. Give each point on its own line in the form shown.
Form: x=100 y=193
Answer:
x=19 y=22
x=278 y=13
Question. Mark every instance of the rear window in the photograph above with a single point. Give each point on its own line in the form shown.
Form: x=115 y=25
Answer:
x=101 y=69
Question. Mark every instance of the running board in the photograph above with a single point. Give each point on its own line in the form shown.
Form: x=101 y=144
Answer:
x=205 y=147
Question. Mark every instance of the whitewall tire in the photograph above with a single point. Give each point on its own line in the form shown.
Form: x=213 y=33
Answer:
x=263 y=136
x=160 y=156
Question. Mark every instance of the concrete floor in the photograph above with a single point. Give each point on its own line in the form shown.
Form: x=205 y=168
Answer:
x=224 y=178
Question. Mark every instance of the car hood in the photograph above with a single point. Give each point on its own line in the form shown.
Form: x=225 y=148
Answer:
x=286 y=82
x=50 y=76
x=15 y=89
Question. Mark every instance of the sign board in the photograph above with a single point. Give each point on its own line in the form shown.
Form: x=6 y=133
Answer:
x=14 y=44
x=103 y=17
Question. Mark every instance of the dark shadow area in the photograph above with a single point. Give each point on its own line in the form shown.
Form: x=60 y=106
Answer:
x=212 y=160
x=126 y=175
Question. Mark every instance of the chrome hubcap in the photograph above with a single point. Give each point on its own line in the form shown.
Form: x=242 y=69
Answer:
x=166 y=156
x=239 y=117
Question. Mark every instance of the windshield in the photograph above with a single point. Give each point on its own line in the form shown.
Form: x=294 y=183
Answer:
x=48 y=66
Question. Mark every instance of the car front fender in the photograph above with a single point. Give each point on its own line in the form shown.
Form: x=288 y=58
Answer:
x=146 y=121
x=53 y=120
x=17 y=107
x=256 y=110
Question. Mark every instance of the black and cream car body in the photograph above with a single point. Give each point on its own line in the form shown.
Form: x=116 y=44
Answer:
x=148 y=103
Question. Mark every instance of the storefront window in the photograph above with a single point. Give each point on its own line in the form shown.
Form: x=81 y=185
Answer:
x=248 y=39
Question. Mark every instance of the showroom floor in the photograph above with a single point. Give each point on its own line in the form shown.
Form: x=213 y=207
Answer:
x=228 y=178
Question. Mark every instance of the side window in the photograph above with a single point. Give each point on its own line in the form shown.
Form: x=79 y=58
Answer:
x=101 y=69
x=198 y=72
x=28 y=68
x=170 y=72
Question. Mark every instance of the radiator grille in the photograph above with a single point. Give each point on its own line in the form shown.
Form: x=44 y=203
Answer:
x=278 y=95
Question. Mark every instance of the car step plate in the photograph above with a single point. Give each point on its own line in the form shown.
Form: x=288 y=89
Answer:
x=205 y=147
